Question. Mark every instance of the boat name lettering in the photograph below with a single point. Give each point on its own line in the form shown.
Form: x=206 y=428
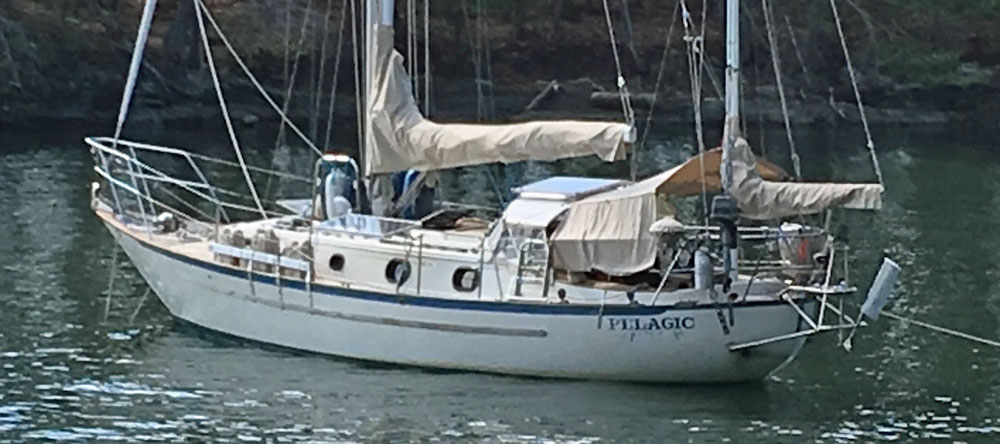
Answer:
x=664 y=323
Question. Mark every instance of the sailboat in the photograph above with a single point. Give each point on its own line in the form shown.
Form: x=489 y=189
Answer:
x=577 y=277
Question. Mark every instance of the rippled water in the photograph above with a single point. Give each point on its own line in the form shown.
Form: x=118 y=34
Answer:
x=69 y=375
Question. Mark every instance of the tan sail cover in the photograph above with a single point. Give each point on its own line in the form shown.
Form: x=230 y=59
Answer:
x=761 y=199
x=611 y=232
x=404 y=139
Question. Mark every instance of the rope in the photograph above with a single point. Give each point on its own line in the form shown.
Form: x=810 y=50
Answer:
x=626 y=99
x=488 y=61
x=476 y=60
x=776 y=63
x=290 y=87
x=225 y=108
x=321 y=75
x=942 y=330
x=656 y=95
x=427 y=58
x=857 y=92
x=696 y=57
x=410 y=59
x=798 y=52
x=287 y=42
x=253 y=79
x=336 y=75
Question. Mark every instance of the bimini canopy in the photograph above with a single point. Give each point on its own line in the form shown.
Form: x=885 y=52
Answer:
x=404 y=139
x=611 y=232
x=686 y=179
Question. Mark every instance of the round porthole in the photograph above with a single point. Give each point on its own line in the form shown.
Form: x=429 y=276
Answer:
x=337 y=262
x=397 y=272
x=465 y=279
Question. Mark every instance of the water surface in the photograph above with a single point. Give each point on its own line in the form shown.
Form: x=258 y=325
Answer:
x=69 y=375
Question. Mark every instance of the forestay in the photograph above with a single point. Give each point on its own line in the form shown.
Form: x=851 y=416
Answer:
x=404 y=139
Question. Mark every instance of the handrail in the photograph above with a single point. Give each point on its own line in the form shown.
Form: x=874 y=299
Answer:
x=100 y=145
x=101 y=141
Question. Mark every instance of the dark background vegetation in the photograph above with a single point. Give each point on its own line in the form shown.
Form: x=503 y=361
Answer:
x=920 y=60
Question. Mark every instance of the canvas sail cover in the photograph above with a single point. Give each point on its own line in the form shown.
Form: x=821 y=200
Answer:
x=404 y=139
x=761 y=199
x=614 y=232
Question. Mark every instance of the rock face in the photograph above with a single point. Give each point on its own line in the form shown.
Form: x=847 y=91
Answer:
x=65 y=61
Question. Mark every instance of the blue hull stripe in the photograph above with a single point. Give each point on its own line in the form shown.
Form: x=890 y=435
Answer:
x=450 y=304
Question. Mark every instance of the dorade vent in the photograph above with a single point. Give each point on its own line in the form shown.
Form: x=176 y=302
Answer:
x=465 y=279
x=337 y=262
x=398 y=271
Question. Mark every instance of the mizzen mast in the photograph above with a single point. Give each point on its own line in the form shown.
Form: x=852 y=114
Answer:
x=724 y=207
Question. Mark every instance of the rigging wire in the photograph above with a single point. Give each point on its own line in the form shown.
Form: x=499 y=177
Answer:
x=314 y=127
x=798 y=54
x=288 y=42
x=289 y=90
x=475 y=46
x=225 y=108
x=482 y=19
x=427 y=58
x=623 y=93
x=857 y=92
x=656 y=95
x=757 y=98
x=410 y=68
x=484 y=99
x=358 y=102
x=776 y=63
x=136 y=64
x=695 y=56
x=336 y=75
x=253 y=79
x=290 y=87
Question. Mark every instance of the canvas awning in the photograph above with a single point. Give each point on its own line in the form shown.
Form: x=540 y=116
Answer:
x=613 y=232
x=610 y=232
x=404 y=139
x=686 y=179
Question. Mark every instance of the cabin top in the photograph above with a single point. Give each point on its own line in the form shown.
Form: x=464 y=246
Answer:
x=565 y=188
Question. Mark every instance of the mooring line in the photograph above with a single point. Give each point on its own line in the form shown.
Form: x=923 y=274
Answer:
x=943 y=330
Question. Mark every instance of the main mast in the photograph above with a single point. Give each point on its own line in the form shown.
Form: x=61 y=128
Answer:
x=727 y=207
x=732 y=89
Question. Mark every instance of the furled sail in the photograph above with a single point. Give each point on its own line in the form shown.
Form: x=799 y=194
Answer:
x=761 y=199
x=404 y=139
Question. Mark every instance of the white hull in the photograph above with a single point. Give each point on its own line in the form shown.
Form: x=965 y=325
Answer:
x=634 y=343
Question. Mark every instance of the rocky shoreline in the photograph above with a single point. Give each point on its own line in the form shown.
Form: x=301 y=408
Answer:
x=95 y=109
x=67 y=66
